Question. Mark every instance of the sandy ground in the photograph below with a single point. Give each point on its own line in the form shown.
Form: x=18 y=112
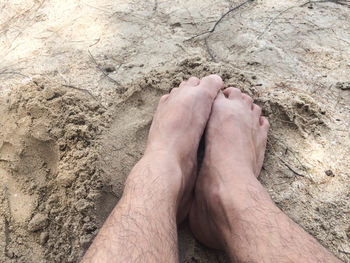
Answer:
x=80 y=81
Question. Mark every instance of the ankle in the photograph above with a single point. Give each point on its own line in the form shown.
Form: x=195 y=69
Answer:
x=229 y=204
x=228 y=165
x=244 y=203
x=156 y=174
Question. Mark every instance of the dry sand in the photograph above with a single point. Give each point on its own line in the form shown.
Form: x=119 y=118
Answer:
x=69 y=135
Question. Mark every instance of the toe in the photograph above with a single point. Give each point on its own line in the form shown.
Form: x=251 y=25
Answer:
x=264 y=122
x=257 y=110
x=248 y=100
x=212 y=84
x=193 y=81
x=174 y=90
x=219 y=98
x=163 y=98
x=232 y=93
x=183 y=84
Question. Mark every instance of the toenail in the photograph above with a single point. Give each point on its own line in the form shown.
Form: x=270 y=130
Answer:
x=193 y=81
x=214 y=77
x=261 y=120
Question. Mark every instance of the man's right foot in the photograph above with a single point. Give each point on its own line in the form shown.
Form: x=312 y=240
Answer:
x=235 y=144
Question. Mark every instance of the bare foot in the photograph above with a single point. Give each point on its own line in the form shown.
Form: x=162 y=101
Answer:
x=235 y=144
x=176 y=130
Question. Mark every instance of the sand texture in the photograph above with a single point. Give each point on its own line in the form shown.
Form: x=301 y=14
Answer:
x=80 y=82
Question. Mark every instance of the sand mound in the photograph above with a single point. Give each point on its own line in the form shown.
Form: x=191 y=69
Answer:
x=64 y=159
x=48 y=168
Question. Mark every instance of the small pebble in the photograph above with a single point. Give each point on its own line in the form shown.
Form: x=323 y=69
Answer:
x=38 y=222
x=329 y=173
x=82 y=205
x=44 y=236
x=343 y=85
x=109 y=68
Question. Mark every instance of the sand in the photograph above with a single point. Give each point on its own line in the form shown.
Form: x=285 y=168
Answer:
x=69 y=135
x=49 y=172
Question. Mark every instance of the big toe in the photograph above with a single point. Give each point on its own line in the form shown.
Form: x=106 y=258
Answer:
x=212 y=84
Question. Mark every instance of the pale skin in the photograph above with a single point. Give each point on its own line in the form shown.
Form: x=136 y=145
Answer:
x=229 y=210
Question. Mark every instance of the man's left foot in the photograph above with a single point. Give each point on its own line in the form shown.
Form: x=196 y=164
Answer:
x=235 y=144
x=174 y=137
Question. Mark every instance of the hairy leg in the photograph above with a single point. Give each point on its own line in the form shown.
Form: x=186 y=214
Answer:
x=232 y=210
x=158 y=191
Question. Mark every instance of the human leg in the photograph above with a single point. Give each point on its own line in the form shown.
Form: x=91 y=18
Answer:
x=158 y=191
x=231 y=209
